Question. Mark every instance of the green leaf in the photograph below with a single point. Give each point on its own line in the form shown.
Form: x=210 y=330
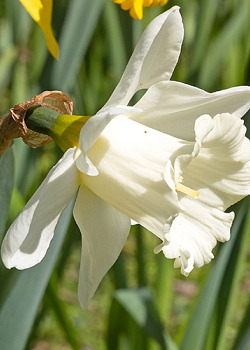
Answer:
x=140 y=306
x=80 y=22
x=116 y=329
x=58 y=307
x=115 y=40
x=227 y=298
x=140 y=256
x=197 y=327
x=217 y=52
x=20 y=20
x=163 y=286
x=20 y=307
x=242 y=341
x=120 y=278
x=19 y=83
x=27 y=174
x=7 y=60
x=39 y=54
x=6 y=186
x=206 y=17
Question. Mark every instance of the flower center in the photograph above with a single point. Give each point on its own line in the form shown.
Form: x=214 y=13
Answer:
x=184 y=189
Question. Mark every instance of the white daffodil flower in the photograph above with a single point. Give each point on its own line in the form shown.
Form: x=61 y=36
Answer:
x=172 y=163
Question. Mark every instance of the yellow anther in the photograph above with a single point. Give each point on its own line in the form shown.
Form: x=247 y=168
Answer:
x=184 y=189
x=180 y=180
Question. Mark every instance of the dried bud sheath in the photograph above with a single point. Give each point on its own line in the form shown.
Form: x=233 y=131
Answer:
x=13 y=124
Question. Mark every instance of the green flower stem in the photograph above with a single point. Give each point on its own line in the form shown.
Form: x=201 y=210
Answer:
x=41 y=119
x=63 y=128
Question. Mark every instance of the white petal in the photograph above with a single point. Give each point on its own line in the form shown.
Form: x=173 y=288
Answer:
x=28 y=238
x=194 y=233
x=221 y=171
x=96 y=124
x=90 y=132
x=167 y=106
x=104 y=232
x=154 y=57
x=84 y=164
x=180 y=160
x=227 y=140
x=133 y=222
x=131 y=159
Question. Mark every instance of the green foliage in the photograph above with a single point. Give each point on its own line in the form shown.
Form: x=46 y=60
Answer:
x=142 y=303
x=6 y=186
x=79 y=24
x=216 y=293
x=139 y=305
x=22 y=302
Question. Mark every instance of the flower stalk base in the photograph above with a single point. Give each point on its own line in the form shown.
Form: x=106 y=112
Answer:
x=63 y=128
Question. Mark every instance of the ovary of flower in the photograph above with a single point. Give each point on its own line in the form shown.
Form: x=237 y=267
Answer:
x=120 y=173
x=184 y=189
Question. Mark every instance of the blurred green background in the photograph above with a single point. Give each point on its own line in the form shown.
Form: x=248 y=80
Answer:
x=143 y=303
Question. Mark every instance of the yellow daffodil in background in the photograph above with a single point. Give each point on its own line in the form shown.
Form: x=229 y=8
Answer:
x=135 y=7
x=41 y=12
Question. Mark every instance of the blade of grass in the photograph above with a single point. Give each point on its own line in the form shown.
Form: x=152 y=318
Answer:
x=206 y=17
x=140 y=258
x=115 y=40
x=19 y=91
x=197 y=327
x=21 y=21
x=80 y=22
x=238 y=61
x=163 y=286
x=7 y=60
x=233 y=30
x=39 y=54
x=227 y=298
x=6 y=186
x=20 y=307
x=242 y=341
x=118 y=321
x=140 y=306
x=118 y=269
x=52 y=300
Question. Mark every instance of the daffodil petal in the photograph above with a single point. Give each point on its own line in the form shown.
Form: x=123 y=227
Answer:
x=137 y=9
x=104 y=232
x=218 y=169
x=136 y=6
x=154 y=57
x=221 y=170
x=167 y=106
x=84 y=164
x=96 y=124
x=131 y=159
x=41 y=12
x=181 y=159
x=194 y=233
x=28 y=238
x=90 y=132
